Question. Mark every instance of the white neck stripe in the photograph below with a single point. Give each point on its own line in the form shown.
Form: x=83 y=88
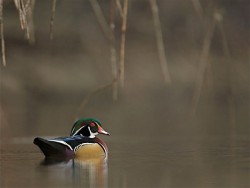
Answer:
x=92 y=135
x=78 y=130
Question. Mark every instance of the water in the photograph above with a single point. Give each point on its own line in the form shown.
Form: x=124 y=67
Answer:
x=134 y=162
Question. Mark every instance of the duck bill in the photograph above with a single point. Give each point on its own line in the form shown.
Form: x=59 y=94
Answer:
x=101 y=131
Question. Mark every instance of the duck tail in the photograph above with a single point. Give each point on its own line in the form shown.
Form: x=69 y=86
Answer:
x=53 y=149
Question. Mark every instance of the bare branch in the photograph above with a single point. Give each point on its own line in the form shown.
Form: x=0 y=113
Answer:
x=159 y=41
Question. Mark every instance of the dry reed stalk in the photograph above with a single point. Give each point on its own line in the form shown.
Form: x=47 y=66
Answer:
x=2 y=33
x=25 y=8
x=108 y=30
x=200 y=13
x=202 y=65
x=113 y=52
x=119 y=7
x=114 y=72
x=30 y=22
x=21 y=15
x=100 y=18
x=110 y=33
x=159 y=41
x=219 y=19
x=231 y=98
x=123 y=39
x=52 y=18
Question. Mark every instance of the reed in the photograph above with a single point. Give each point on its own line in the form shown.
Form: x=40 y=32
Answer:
x=159 y=41
x=123 y=39
x=119 y=7
x=100 y=18
x=230 y=70
x=2 y=33
x=52 y=18
x=117 y=75
x=113 y=51
x=25 y=9
x=200 y=13
x=110 y=34
x=203 y=63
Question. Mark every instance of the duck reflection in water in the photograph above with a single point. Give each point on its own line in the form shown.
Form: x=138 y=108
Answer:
x=86 y=171
x=94 y=168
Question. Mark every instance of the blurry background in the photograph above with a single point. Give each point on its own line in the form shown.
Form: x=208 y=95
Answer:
x=44 y=83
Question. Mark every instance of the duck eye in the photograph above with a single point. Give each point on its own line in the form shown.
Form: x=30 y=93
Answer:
x=92 y=124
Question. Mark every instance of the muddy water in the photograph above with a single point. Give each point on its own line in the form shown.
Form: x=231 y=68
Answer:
x=134 y=162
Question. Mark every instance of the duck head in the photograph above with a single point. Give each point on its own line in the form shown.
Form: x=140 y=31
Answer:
x=87 y=127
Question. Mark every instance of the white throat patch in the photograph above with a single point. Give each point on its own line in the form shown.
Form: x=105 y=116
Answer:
x=92 y=135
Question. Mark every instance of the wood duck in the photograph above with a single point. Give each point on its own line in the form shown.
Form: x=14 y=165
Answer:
x=82 y=141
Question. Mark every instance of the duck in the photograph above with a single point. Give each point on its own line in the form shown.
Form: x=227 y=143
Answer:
x=81 y=143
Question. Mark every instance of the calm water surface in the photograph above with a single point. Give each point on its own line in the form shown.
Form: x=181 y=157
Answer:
x=133 y=162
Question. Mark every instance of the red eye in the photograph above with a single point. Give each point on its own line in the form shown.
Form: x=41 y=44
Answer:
x=92 y=124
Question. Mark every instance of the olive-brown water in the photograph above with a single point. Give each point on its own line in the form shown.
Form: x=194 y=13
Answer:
x=156 y=138
x=135 y=162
